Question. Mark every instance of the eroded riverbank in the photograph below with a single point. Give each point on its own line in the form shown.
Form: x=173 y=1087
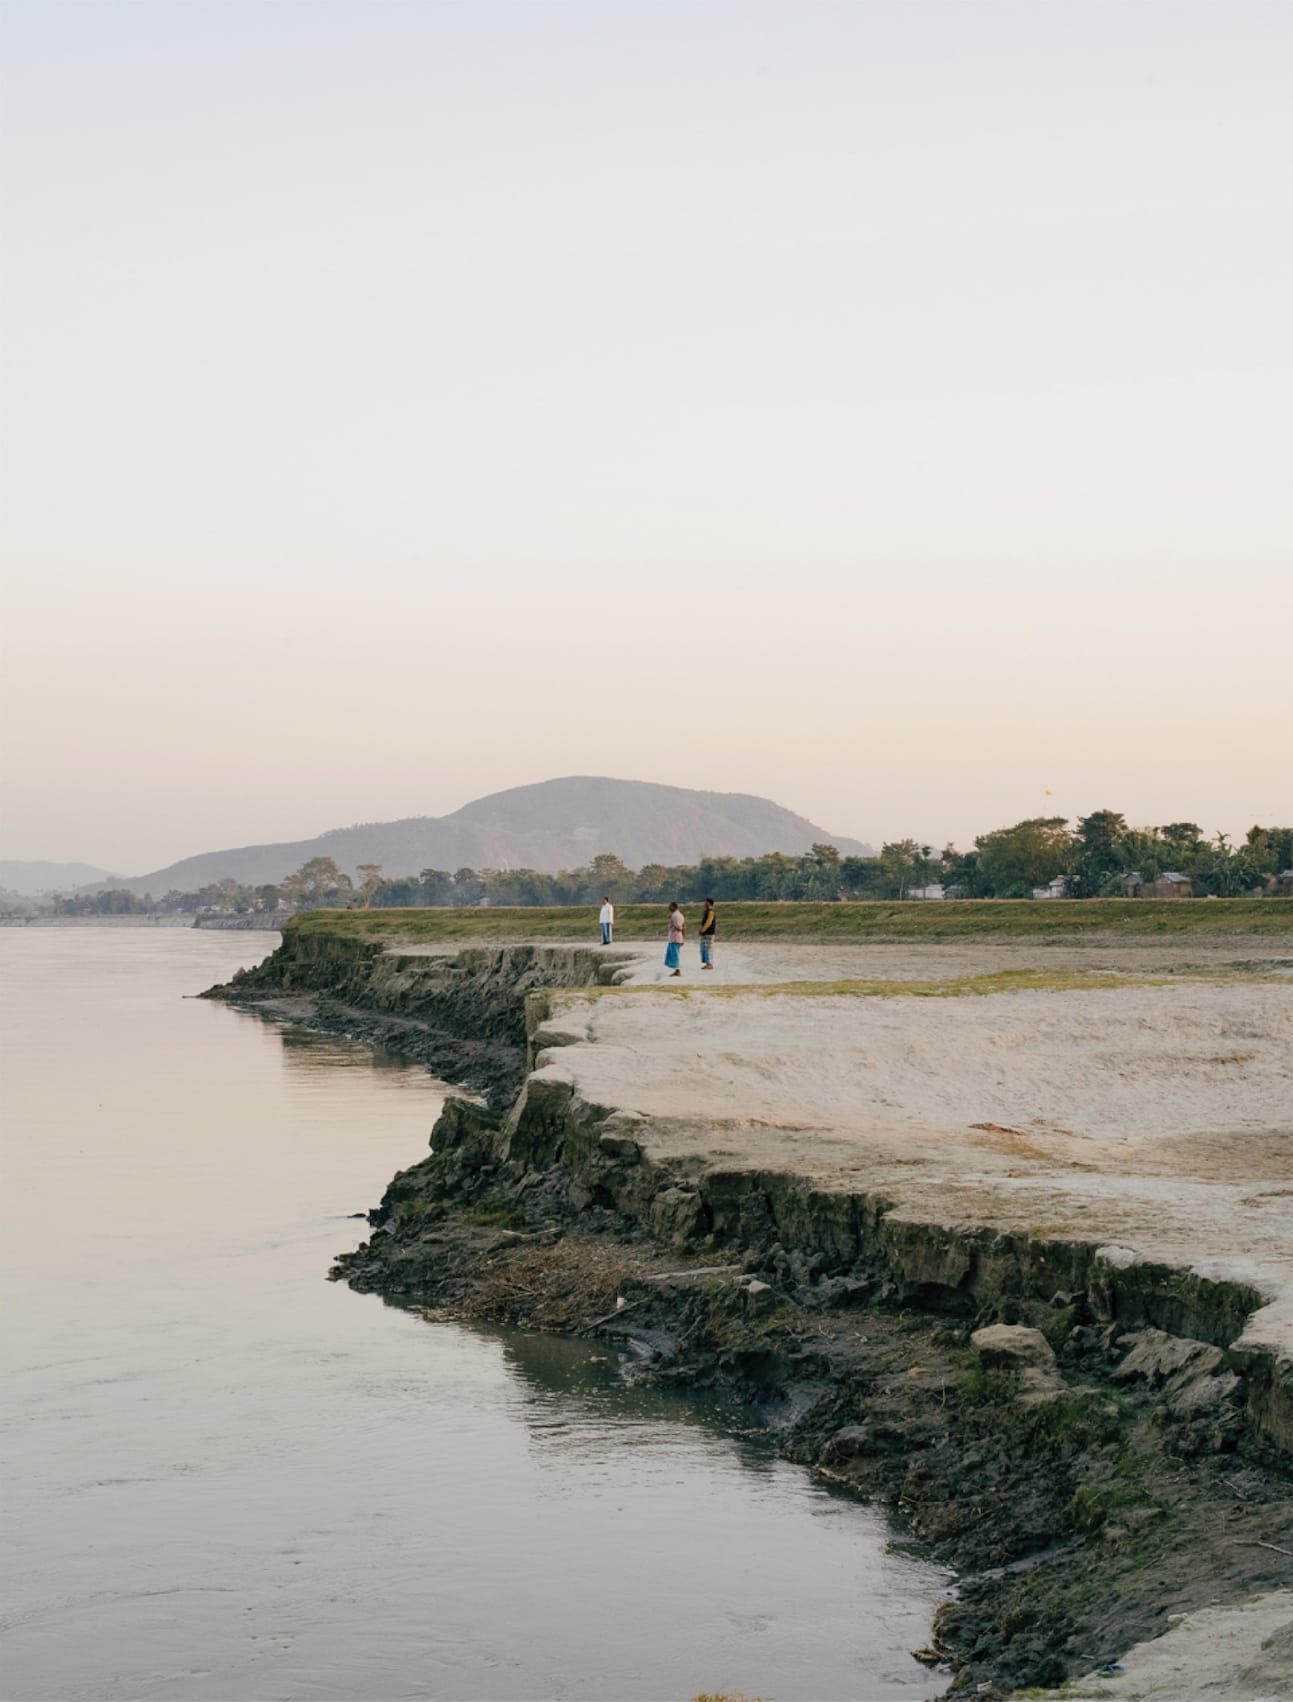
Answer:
x=764 y=1232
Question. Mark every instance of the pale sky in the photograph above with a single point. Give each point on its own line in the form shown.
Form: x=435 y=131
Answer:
x=879 y=405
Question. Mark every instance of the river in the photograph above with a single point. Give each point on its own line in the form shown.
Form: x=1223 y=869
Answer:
x=228 y=1478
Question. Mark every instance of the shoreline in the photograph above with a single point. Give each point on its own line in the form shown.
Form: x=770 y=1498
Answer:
x=1109 y=1420
x=161 y=920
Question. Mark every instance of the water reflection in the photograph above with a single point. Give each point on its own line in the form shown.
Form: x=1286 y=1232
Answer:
x=575 y=1391
x=306 y=1049
x=233 y=1479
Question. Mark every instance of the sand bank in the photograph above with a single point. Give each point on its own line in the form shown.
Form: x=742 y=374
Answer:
x=1157 y=1119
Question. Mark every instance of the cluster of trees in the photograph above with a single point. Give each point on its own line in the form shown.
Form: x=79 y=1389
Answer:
x=1009 y=862
x=1107 y=848
x=814 y=875
x=315 y=885
x=117 y=901
x=1093 y=858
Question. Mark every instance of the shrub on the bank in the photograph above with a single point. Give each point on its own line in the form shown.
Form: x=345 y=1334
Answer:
x=1095 y=1503
x=1058 y=1327
x=1086 y=1419
x=987 y=1388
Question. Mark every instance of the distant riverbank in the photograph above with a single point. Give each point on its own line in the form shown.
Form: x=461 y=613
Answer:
x=161 y=921
x=256 y=921
x=264 y=923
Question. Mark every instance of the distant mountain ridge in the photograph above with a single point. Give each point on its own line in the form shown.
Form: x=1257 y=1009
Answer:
x=30 y=879
x=556 y=824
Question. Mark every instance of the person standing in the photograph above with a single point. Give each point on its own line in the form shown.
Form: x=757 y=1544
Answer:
x=607 y=921
x=677 y=934
x=708 y=928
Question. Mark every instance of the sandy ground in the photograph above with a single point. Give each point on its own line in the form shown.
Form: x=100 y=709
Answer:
x=912 y=960
x=1154 y=1119
x=757 y=962
x=1232 y=1654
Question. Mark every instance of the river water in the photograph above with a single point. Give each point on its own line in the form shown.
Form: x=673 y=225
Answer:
x=228 y=1478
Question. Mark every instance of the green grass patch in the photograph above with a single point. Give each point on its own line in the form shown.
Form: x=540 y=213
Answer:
x=1059 y=1326
x=1057 y=919
x=955 y=987
x=1086 y=1418
x=1094 y=1503
x=959 y=986
x=408 y=1211
x=978 y=1387
x=495 y=1217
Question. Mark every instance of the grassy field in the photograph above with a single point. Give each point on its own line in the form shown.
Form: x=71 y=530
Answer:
x=959 y=919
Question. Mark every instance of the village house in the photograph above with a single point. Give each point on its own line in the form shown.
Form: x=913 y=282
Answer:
x=1169 y=884
x=1053 y=889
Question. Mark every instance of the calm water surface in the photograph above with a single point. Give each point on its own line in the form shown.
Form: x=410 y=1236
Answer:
x=229 y=1478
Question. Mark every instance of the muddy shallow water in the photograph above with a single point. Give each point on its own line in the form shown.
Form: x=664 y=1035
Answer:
x=228 y=1478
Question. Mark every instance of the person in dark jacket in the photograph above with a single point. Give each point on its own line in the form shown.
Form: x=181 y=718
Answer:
x=708 y=928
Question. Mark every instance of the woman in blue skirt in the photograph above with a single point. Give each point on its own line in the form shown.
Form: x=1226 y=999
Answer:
x=677 y=934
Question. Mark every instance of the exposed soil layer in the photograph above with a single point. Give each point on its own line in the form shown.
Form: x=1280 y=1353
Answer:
x=1079 y=1434
x=461 y=1012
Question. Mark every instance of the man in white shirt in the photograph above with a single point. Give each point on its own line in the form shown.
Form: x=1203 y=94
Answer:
x=608 y=921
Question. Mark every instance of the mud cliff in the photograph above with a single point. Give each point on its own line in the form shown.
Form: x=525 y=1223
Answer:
x=461 y=1010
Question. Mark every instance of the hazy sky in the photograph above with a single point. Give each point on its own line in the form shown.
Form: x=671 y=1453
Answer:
x=881 y=405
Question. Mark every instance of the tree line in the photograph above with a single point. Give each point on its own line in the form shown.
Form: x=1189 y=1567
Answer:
x=1092 y=858
x=317 y=884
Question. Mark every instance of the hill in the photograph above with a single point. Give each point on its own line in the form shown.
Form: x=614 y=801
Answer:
x=31 y=879
x=557 y=824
